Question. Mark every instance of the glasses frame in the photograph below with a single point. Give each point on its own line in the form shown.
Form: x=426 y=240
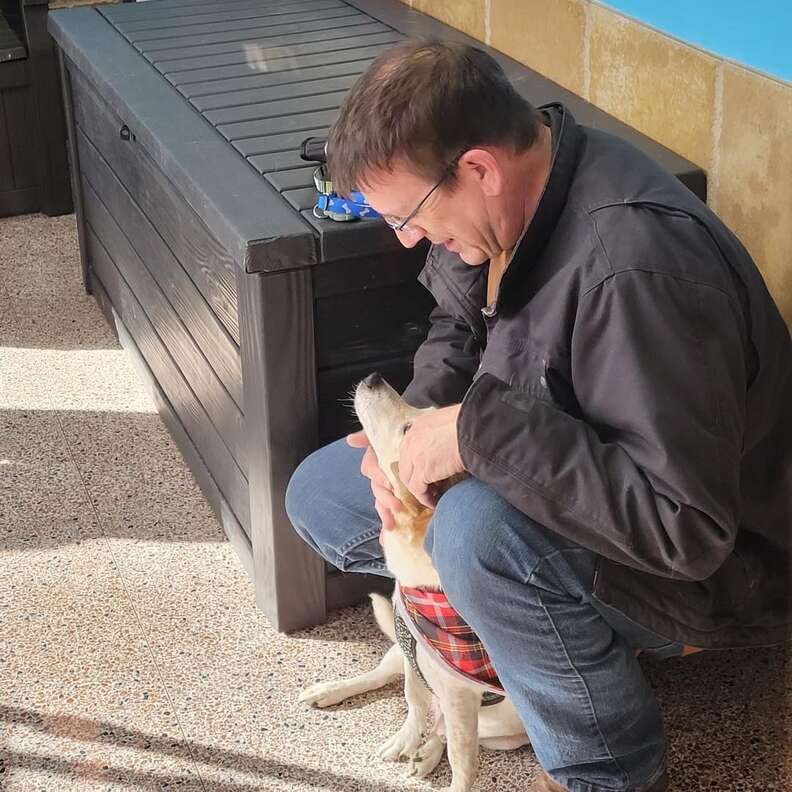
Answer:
x=401 y=225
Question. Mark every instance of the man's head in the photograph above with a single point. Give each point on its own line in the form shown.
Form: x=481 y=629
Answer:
x=436 y=126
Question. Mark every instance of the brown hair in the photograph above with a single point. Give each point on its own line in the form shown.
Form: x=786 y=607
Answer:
x=426 y=101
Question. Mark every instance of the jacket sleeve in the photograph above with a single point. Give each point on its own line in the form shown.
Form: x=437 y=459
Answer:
x=649 y=475
x=444 y=364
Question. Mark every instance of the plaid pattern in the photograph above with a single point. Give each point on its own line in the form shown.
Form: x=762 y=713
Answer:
x=449 y=635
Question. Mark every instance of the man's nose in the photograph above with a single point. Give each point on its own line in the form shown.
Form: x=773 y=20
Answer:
x=411 y=236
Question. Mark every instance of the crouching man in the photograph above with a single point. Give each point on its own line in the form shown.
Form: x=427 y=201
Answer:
x=612 y=372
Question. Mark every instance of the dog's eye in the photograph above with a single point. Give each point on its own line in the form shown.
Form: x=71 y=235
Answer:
x=406 y=428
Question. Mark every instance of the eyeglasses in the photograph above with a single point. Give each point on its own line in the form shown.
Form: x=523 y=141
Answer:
x=399 y=224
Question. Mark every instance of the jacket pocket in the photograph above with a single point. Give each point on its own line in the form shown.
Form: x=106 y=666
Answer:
x=531 y=370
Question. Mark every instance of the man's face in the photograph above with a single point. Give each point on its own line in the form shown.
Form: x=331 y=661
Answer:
x=457 y=217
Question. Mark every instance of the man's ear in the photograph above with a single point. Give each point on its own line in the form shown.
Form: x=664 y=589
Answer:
x=486 y=168
x=413 y=506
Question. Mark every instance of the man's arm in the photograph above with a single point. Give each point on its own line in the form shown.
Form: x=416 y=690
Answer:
x=445 y=363
x=649 y=477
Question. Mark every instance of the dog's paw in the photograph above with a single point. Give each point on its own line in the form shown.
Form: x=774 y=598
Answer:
x=427 y=757
x=403 y=744
x=324 y=694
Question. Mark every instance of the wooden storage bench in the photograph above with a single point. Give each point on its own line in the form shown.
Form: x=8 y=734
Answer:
x=250 y=318
x=34 y=174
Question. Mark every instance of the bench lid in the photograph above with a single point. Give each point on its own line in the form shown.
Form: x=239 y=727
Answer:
x=252 y=79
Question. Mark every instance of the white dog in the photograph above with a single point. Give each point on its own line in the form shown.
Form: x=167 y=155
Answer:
x=459 y=719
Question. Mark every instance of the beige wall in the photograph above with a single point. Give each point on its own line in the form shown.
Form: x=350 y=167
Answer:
x=730 y=120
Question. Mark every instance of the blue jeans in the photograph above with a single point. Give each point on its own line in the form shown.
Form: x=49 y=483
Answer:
x=566 y=660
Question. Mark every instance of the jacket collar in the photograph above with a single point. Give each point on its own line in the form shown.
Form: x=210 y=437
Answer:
x=566 y=143
x=456 y=285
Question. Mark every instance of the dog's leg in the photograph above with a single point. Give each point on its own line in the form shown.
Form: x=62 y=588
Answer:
x=431 y=752
x=325 y=694
x=460 y=707
x=406 y=741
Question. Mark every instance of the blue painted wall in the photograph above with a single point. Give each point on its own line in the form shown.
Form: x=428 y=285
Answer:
x=758 y=34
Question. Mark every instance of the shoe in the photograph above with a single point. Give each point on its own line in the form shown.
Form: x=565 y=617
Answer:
x=546 y=784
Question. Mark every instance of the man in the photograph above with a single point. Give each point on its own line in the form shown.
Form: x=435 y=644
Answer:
x=611 y=371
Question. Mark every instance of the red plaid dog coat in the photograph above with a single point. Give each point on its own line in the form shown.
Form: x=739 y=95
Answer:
x=431 y=619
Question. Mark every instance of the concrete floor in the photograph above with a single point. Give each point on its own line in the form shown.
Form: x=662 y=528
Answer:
x=132 y=656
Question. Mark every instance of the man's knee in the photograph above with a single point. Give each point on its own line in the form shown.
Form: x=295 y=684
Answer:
x=463 y=538
x=331 y=507
x=304 y=495
x=477 y=540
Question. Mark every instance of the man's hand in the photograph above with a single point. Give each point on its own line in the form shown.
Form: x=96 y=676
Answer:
x=385 y=502
x=429 y=453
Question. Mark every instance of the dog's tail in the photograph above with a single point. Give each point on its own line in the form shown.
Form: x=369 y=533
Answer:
x=383 y=613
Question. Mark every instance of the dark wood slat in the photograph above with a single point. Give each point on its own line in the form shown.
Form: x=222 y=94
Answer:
x=207 y=261
x=74 y=165
x=6 y=168
x=20 y=120
x=214 y=342
x=11 y=47
x=237 y=12
x=260 y=55
x=345 y=240
x=234 y=532
x=277 y=65
x=16 y=202
x=174 y=336
x=391 y=321
x=179 y=57
x=279 y=160
x=349 y=588
x=265 y=127
x=271 y=143
x=283 y=107
x=356 y=275
x=265 y=96
x=280 y=391
x=302 y=198
x=213 y=451
x=214 y=34
x=170 y=8
x=350 y=68
x=292 y=179
x=14 y=74
x=55 y=190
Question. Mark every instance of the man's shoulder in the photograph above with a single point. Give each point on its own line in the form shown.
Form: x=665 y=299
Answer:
x=651 y=222
x=657 y=237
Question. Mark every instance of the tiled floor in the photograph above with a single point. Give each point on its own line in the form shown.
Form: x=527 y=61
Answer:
x=132 y=656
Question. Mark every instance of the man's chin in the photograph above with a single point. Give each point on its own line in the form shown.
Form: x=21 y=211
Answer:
x=473 y=257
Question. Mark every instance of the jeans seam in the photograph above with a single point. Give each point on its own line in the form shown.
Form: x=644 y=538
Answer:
x=358 y=540
x=557 y=551
x=592 y=710
x=342 y=558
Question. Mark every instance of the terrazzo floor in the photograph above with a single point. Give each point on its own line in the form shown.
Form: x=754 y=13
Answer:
x=132 y=656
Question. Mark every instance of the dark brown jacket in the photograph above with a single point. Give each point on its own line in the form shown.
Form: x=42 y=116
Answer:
x=631 y=389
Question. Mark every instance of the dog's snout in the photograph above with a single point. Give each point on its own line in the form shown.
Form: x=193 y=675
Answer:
x=373 y=380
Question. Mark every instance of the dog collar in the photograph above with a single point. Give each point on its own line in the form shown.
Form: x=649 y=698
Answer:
x=331 y=205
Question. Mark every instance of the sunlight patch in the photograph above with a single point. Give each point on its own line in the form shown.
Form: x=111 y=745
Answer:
x=99 y=380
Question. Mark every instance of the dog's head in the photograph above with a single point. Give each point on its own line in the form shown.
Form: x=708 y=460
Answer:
x=385 y=418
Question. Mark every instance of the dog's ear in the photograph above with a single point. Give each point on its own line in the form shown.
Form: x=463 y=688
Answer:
x=411 y=504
